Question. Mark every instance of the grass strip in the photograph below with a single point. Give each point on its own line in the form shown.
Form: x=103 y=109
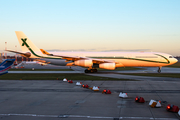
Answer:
x=54 y=76
x=172 y=75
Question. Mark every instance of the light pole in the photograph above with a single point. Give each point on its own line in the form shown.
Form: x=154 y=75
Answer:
x=5 y=50
x=16 y=54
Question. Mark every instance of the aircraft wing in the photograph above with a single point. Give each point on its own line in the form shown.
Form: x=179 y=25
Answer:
x=70 y=58
x=74 y=58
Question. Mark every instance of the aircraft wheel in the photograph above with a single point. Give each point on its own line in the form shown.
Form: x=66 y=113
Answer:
x=86 y=71
x=95 y=70
x=159 y=70
x=92 y=71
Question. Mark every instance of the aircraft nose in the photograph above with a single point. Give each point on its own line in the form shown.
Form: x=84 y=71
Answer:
x=175 y=60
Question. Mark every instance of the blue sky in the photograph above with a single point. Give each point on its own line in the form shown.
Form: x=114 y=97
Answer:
x=93 y=25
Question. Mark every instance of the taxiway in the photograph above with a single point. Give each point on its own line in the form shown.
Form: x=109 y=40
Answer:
x=55 y=99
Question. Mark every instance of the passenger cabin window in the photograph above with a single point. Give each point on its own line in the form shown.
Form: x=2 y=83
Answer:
x=146 y=57
x=171 y=57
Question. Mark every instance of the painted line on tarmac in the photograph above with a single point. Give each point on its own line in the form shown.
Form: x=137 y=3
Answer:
x=83 y=116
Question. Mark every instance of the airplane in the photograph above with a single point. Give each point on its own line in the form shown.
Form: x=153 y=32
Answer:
x=6 y=65
x=94 y=60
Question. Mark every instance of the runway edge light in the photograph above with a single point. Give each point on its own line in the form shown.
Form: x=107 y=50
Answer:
x=140 y=100
x=70 y=81
x=106 y=91
x=123 y=95
x=172 y=108
x=85 y=86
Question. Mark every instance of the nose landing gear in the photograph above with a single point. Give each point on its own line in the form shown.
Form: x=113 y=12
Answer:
x=159 y=69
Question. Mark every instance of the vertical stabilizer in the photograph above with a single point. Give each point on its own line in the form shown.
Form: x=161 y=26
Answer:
x=26 y=44
x=6 y=65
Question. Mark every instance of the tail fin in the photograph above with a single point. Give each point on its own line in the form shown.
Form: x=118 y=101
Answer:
x=6 y=65
x=26 y=44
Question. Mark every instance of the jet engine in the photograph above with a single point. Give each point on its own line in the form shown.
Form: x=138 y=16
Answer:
x=83 y=63
x=27 y=54
x=109 y=66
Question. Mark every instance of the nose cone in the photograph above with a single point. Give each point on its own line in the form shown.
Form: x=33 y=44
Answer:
x=174 y=60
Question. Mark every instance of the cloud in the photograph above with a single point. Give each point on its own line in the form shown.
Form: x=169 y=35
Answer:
x=100 y=49
x=165 y=35
x=131 y=50
x=53 y=50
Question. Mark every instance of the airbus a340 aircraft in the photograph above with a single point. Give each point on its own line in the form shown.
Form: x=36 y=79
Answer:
x=93 y=60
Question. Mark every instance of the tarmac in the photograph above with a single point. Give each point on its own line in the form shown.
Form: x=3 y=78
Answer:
x=55 y=99
x=109 y=74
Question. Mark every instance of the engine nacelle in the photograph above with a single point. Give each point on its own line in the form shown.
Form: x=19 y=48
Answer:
x=27 y=54
x=84 y=63
x=109 y=66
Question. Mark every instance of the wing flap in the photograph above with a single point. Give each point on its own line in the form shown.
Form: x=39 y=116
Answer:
x=75 y=58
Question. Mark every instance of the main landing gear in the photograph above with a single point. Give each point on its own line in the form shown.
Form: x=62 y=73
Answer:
x=90 y=70
x=159 y=70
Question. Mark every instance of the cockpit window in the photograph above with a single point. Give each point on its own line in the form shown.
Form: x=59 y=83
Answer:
x=171 y=57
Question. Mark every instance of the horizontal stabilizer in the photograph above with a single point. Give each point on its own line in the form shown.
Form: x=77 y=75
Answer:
x=27 y=54
x=44 y=52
